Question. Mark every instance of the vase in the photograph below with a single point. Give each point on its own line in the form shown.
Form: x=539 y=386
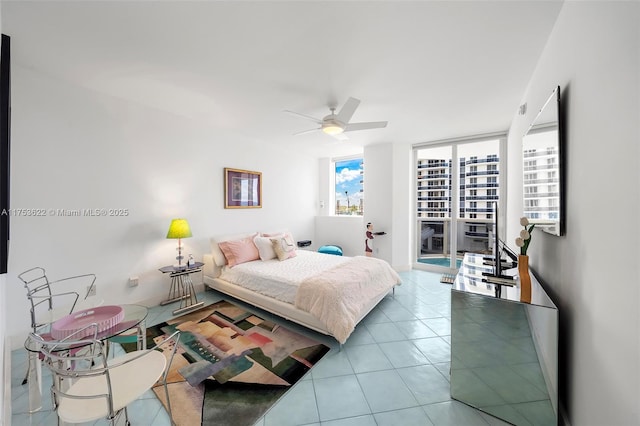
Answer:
x=525 y=278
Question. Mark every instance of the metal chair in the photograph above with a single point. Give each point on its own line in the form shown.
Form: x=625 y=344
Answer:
x=48 y=304
x=88 y=386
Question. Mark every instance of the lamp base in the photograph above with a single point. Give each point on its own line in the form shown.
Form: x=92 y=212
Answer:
x=179 y=266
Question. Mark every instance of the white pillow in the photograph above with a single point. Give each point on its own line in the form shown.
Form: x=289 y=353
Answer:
x=218 y=256
x=265 y=247
x=283 y=233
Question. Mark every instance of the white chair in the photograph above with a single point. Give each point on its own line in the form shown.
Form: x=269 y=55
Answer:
x=87 y=386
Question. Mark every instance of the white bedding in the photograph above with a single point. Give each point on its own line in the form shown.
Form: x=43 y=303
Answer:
x=281 y=279
x=338 y=291
x=339 y=295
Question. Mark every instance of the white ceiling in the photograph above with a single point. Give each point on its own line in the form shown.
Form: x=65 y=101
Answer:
x=432 y=69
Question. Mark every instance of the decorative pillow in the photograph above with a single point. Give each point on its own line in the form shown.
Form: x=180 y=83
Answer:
x=265 y=248
x=284 y=247
x=218 y=256
x=239 y=251
x=278 y=234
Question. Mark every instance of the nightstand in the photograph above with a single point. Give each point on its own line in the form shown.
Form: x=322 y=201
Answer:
x=182 y=287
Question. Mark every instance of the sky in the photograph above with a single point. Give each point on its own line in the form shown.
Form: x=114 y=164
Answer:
x=348 y=179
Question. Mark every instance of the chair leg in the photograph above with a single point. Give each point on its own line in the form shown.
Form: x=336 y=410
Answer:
x=26 y=377
x=126 y=417
x=166 y=393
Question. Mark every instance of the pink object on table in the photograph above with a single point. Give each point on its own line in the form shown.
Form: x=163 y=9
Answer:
x=104 y=316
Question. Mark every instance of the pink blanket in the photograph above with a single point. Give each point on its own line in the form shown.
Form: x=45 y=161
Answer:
x=339 y=296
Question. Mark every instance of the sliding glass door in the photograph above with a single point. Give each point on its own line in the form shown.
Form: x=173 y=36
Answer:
x=457 y=190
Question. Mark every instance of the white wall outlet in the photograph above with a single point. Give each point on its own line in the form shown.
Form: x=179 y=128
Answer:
x=91 y=290
x=133 y=281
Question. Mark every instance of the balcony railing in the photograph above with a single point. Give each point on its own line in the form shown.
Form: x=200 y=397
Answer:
x=541 y=209
x=545 y=153
x=480 y=197
x=434 y=198
x=482 y=185
x=483 y=173
x=477 y=234
x=478 y=210
x=542 y=195
x=539 y=181
x=481 y=160
x=428 y=187
x=433 y=165
x=541 y=167
x=434 y=209
x=434 y=176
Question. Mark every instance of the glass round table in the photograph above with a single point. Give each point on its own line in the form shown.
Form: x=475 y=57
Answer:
x=134 y=318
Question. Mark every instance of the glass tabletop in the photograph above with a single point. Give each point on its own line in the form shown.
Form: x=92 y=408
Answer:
x=133 y=316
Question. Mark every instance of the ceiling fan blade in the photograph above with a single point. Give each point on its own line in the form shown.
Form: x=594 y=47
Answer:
x=364 y=126
x=307 y=131
x=347 y=110
x=341 y=137
x=308 y=117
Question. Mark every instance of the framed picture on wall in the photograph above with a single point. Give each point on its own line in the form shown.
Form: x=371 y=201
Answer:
x=242 y=189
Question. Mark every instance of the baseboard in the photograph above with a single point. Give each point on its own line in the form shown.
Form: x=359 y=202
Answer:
x=6 y=416
x=402 y=268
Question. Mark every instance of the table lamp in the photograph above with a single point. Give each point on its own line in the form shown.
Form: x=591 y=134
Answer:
x=179 y=229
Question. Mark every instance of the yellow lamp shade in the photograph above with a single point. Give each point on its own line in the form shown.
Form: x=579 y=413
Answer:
x=179 y=228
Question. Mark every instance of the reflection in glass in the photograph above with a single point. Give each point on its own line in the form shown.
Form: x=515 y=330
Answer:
x=541 y=155
x=503 y=352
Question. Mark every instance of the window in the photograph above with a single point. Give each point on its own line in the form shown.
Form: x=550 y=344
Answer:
x=467 y=187
x=349 y=187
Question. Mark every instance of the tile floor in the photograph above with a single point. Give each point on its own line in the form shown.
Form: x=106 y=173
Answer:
x=394 y=370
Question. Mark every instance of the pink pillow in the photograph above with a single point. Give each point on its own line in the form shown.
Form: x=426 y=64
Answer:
x=239 y=251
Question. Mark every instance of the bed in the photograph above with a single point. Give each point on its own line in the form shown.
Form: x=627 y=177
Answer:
x=326 y=293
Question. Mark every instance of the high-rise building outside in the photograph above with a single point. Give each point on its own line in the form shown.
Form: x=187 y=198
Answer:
x=478 y=191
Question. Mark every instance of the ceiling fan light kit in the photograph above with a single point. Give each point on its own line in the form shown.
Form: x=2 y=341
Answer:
x=334 y=125
x=332 y=128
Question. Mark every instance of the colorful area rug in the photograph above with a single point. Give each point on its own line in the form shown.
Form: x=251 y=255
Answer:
x=231 y=366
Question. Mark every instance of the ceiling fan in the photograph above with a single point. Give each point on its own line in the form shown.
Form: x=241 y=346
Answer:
x=337 y=124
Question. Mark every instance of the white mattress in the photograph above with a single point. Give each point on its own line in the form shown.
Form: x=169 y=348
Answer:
x=280 y=279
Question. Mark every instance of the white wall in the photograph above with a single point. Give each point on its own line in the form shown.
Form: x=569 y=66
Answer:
x=348 y=232
x=592 y=272
x=387 y=188
x=402 y=202
x=378 y=200
x=73 y=148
